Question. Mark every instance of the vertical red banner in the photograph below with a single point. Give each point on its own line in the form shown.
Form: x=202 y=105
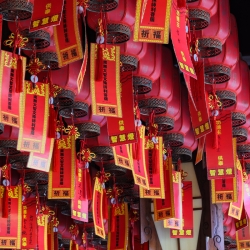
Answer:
x=67 y=36
x=187 y=203
x=224 y=190
x=178 y=25
x=199 y=114
x=39 y=161
x=106 y=94
x=34 y=113
x=46 y=13
x=235 y=209
x=97 y=209
x=79 y=206
x=221 y=160
x=122 y=130
x=176 y=222
x=62 y=172
x=29 y=225
x=118 y=240
x=123 y=156
x=152 y=21
x=10 y=100
x=11 y=227
x=164 y=208
x=243 y=222
x=154 y=165
x=139 y=165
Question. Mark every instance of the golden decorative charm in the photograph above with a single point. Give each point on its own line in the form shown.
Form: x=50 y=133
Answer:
x=86 y=155
x=35 y=66
x=18 y=42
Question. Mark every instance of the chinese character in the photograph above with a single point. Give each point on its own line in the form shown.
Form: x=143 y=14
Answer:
x=157 y=34
x=36 y=23
x=45 y=20
x=73 y=53
x=54 y=18
x=221 y=171
x=229 y=171
x=102 y=109
x=121 y=125
x=122 y=137
x=65 y=55
x=131 y=136
x=144 y=33
x=114 y=139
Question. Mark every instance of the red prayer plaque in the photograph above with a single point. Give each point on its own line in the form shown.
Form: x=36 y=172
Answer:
x=97 y=209
x=11 y=227
x=221 y=160
x=164 y=208
x=33 y=118
x=152 y=21
x=178 y=23
x=199 y=113
x=235 y=209
x=123 y=156
x=154 y=159
x=139 y=165
x=62 y=172
x=46 y=13
x=118 y=240
x=106 y=95
x=10 y=100
x=187 y=203
x=67 y=36
x=122 y=130
x=176 y=222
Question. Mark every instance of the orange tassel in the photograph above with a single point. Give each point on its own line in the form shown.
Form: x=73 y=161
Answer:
x=19 y=75
x=89 y=186
x=104 y=205
x=5 y=203
x=99 y=63
x=215 y=133
x=52 y=122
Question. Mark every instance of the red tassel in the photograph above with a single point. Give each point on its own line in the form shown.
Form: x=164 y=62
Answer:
x=99 y=63
x=5 y=203
x=137 y=146
x=19 y=75
x=113 y=220
x=52 y=122
x=55 y=241
x=104 y=205
x=215 y=133
x=86 y=183
x=73 y=245
x=181 y=3
x=89 y=186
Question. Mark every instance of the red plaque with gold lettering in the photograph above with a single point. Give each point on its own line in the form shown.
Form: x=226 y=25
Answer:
x=235 y=208
x=199 y=114
x=152 y=21
x=176 y=222
x=33 y=117
x=187 y=203
x=67 y=36
x=154 y=165
x=46 y=13
x=10 y=100
x=243 y=238
x=224 y=190
x=29 y=232
x=106 y=94
x=97 y=209
x=42 y=231
x=123 y=156
x=243 y=221
x=139 y=164
x=11 y=227
x=164 y=208
x=221 y=160
x=178 y=25
x=122 y=130
x=118 y=240
x=79 y=205
x=62 y=172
